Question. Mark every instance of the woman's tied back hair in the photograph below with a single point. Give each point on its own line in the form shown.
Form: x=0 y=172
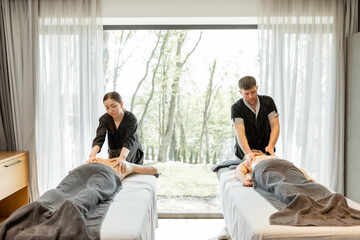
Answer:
x=114 y=96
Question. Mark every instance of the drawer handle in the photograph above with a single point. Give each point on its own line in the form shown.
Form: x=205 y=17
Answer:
x=13 y=164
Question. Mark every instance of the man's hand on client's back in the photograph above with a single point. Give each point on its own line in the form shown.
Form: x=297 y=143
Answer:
x=270 y=150
x=249 y=158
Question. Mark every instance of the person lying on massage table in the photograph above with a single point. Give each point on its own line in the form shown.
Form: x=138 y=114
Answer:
x=242 y=169
x=126 y=168
x=76 y=207
x=299 y=200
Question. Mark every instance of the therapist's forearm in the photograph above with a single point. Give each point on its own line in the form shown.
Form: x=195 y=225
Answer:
x=241 y=138
x=243 y=143
x=94 y=151
x=274 y=135
x=275 y=130
x=124 y=153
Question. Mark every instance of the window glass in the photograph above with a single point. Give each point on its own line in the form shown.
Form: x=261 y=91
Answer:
x=181 y=84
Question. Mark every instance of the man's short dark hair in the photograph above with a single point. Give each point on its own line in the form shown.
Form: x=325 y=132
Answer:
x=247 y=82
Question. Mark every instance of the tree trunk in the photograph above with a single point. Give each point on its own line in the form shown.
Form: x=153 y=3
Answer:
x=166 y=136
x=207 y=150
x=163 y=98
x=141 y=121
x=206 y=115
x=146 y=72
x=165 y=139
x=124 y=38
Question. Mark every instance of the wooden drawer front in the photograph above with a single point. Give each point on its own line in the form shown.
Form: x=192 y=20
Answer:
x=13 y=176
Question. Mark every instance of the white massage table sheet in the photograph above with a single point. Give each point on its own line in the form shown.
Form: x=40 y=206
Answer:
x=247 y=213
x=133 y=213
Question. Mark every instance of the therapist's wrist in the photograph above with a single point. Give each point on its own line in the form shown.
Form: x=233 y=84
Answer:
x=248 y=156
x=249 y=153
x=271 y=146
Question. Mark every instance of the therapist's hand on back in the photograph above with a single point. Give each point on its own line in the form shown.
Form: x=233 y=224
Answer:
x=249 y=158
x=120 y=165
x=270 y=150
x=91 y=159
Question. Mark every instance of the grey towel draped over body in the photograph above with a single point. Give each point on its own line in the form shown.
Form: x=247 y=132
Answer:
x=299 y=201
x=74 y=210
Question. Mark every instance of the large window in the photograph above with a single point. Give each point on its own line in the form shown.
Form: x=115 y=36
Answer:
x=181 y=84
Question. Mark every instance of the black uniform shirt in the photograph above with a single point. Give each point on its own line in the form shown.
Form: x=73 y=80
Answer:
x=257 y=126
x=124 y=136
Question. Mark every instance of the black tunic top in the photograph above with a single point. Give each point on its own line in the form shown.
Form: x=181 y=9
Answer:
x=124 y=136
x=257 y=128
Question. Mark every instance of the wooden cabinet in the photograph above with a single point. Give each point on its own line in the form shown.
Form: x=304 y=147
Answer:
x=14 y=182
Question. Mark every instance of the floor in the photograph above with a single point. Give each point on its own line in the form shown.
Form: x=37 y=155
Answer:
x=189 y=229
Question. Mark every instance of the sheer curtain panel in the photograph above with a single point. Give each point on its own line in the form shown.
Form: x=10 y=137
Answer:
x=69 y=86
x=302 y=60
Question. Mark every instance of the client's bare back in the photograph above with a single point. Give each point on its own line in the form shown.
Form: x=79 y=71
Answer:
x=130 y=168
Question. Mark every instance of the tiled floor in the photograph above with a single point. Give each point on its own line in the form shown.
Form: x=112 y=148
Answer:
x=189 y=229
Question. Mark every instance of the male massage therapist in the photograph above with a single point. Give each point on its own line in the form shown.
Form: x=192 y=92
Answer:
x=255 y=120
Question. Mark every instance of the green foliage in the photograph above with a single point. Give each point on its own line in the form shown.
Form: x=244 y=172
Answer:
x=147 y=156
x=214 y=158
x=179 y=179
x=152 y=153
x=178 y=155
x=196 y=159
x=207 y=157
x=191 y=158
x=173 y=146
x=175 y=155
x=137 y=47
x=184 y=159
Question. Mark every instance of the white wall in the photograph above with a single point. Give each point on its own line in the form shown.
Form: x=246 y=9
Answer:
x=182 y=11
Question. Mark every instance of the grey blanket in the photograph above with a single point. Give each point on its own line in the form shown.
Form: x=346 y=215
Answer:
x=74 y=210
x=299 y=201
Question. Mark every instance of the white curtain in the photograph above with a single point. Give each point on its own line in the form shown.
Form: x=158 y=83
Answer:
x=20 y=20
x=302 y=59
x=69 y=87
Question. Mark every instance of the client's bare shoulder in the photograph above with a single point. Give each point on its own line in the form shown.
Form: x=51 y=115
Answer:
x=262 y=157
x=106 y=162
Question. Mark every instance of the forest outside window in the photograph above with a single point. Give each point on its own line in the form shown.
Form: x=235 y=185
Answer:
x=180 y=84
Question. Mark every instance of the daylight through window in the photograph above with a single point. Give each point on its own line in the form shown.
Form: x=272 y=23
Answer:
x=181 y=84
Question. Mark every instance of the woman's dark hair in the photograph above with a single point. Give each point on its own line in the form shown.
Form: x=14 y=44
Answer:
x=114 y=96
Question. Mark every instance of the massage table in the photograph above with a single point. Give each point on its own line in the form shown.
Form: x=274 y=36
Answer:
x=133 y=213
x=246 y=214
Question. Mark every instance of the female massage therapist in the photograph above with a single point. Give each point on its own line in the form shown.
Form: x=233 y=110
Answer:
x=120 y=126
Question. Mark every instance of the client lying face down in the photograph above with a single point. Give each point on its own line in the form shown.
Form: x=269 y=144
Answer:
x=243 y=169
x=76 y=207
